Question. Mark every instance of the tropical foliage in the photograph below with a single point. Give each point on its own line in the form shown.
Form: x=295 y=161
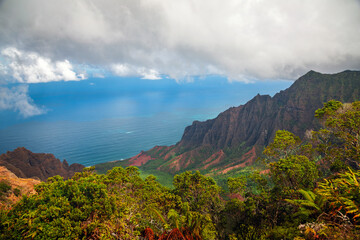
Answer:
x=310 y=190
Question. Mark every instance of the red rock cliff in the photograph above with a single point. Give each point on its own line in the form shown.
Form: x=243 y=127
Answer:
x=26 y=164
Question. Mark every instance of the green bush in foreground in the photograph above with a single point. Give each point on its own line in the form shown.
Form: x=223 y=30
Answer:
x=115 y=205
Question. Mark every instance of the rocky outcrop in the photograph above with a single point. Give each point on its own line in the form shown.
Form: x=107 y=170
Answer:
x=26 y=164
x=24 y=186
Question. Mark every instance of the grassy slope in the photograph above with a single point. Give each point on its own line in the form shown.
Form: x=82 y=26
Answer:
x=163 y=178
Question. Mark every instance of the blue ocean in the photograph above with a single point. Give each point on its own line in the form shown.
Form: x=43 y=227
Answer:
x=100 y=120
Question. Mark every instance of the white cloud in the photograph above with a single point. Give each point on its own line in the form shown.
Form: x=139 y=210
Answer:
x=150 y=74
x=17 y=99
x=122 y=70
x=3 y=69
x=29 y=67
x=125 y=70
x=236 y=38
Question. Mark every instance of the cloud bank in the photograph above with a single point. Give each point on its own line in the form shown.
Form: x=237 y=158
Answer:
x=29 y=67
x=17 y=99
x=240 y=39
x=244 y=40
x=124 y=70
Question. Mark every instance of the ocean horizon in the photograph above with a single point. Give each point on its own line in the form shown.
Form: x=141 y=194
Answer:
x=108 y=119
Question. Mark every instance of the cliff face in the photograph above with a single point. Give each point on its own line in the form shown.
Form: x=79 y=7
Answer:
x=234 y=138
x=26 y=164
x=256 y=122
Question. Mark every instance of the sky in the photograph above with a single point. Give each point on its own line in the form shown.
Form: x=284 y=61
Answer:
x=242 y=40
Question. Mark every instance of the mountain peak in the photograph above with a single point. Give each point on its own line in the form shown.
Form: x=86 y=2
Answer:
x=312 y=72
x=310 y=76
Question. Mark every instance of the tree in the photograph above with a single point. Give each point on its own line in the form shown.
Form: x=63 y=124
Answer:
x=294 y=172
x=339 y=143
x=201 y=197
x=284 y=144
x=291 y=162
x=201 y=192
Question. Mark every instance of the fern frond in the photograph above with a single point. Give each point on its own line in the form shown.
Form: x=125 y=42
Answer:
x=158 y=214
x=308 y=195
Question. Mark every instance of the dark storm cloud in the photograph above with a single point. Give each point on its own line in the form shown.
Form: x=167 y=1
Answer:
x=239 y=39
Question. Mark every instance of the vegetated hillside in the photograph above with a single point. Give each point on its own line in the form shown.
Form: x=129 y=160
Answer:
x=26 y=164
x=234 y=139
x=13 y=188
x=310 y=191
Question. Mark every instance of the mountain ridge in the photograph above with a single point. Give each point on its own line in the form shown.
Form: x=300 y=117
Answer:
x=26 y=164
x=240 y=131
x=287 y=104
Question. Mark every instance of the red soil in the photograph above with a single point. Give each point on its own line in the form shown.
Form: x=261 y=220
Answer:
x=214 y=159
x=140 y=159
x=169 y=155
x=182 y=161
x=265 y=171
x=157 y=149
x=236 y=195
x=162 y=149
x=249 y=158
x=176 y=163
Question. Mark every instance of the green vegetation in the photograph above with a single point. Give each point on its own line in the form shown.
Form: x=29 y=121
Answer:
x=164 y=178
x=4 y=188
x=102 y=168
x=309 y=191
x=117 y=205
x=17 y=192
